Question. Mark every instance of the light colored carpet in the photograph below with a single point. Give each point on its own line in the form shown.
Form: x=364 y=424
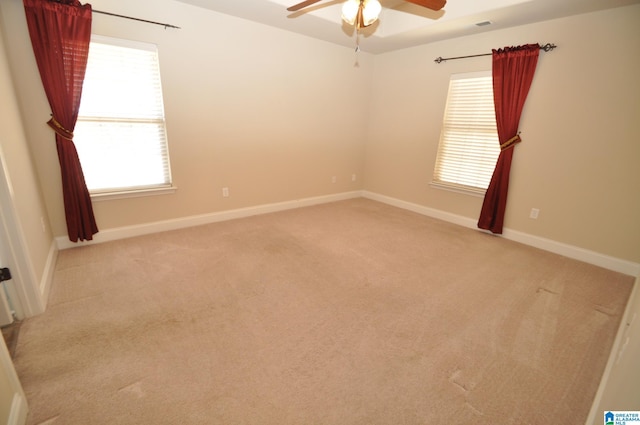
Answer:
x=352 y=312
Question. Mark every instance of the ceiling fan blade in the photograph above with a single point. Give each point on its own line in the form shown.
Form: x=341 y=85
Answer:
x=429 y=4
x=302 y=5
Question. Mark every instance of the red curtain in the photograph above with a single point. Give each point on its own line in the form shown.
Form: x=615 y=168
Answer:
x=60 y=32
x=513 y=70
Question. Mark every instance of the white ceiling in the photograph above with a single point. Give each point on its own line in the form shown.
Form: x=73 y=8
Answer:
x=403 y=24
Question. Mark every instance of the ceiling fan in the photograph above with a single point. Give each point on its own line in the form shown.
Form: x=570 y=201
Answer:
x=363 y=13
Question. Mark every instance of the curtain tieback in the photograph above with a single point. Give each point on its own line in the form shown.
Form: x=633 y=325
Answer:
x=59 y=129
x=511 y=142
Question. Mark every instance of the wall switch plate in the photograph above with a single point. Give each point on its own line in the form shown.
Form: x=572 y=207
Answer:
x=225 y=192
x=534 y=213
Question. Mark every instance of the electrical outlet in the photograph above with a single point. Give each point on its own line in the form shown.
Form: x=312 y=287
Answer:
x=225 y=192
x=534 y=213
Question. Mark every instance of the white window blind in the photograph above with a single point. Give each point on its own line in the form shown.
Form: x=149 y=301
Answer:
x=469 y=145
x=120 y=134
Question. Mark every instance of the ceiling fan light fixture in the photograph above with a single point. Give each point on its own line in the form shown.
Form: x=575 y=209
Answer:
x=350 y=11
x=371 y=12
x=369 y=9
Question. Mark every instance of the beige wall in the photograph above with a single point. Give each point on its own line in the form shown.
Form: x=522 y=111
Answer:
x=273 y=115
x=270 y=114
x=579 y=160
x=29 y=207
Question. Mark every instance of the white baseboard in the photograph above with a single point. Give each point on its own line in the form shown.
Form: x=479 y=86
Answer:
x=198 y=220
x=421 y=209
x=605 y=261
x=576 y=253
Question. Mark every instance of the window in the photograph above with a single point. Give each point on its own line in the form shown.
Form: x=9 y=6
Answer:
x=120 y=134
x=469 y=145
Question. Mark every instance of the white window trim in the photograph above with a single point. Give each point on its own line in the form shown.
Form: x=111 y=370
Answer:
x=131 y=192
x=456 y=187
x=452 y=187
x=123 y=42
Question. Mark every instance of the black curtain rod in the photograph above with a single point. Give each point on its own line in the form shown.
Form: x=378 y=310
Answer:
x=547 y=48
x=137 y=19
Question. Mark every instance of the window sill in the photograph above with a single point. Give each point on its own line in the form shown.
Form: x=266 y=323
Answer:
x=135 y=193
x=466 y=190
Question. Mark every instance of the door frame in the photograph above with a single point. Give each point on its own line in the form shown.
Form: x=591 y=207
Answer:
x=24 y=285
x=12 y=241
x=17 y=414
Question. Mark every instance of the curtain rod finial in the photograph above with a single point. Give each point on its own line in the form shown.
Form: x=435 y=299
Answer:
x=548 y=47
